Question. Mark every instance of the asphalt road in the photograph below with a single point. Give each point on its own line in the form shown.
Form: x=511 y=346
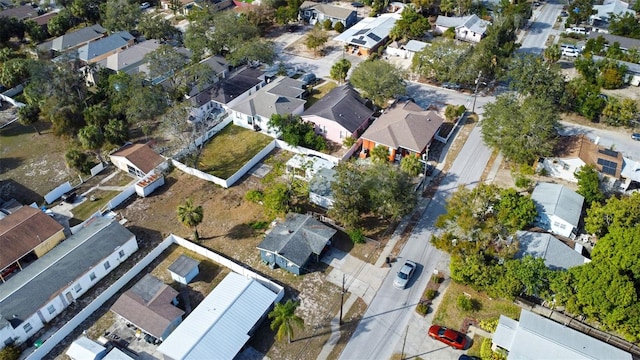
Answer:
x=541 y=27
x=615 y=139
x=382 y=329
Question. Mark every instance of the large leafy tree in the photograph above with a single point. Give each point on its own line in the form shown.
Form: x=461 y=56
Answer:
x=411 y=25
x=616 y=213
x=624 y=25
x=530 y=75
x=523 y=130
x=349 y=193
x=87 y=10
x=91 y=138
x=589 y=184
x=315 y=39
x=165 y=61
x=296 y=132
x=515 y=211
x=440 y=60
x=156 y=28
x=340 y=69
x=190 y=216
x=29 y=115
x=378 y=80
x=59 y=24
x=283 y=318
x=619 y=112
x=120 y=15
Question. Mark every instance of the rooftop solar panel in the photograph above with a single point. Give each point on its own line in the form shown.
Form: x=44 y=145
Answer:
x=608 y=152
x=608 y=167
x=374 y=37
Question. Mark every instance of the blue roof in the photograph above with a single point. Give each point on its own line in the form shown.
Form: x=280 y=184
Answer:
x=100 y=47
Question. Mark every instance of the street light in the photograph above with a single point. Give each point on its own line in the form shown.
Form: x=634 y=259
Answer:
x=475 y=92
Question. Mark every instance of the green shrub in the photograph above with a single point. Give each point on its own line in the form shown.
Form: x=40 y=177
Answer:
x=489 y=325
x=487 y=354
x=422 y=308
x=356 y=235
x=349 y=140
x=450 y=33
x=327 y=24
x=339 y=27
x=255 y=196
x=430 y=294
x=523 y=182
x=461 y=110
x=10 y=353
x=451 y=112
x=464 y=303
x=259 y=225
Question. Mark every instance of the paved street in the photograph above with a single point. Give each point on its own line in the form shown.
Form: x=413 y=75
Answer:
x=616 y=139
x=541 y=26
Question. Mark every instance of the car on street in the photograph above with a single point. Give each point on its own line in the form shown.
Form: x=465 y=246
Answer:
x=635 y=136
x=308 y=79
x=356 y=4
x=453 y=338
x=564 y=13
x=145 y=5
x=452 y=86
x=574 y=53
x=404 y=275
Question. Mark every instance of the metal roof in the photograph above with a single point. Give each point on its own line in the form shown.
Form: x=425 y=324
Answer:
x=132 y=57
x=100 y=47
x=536 y=337
x=360 y=33
x=472 y=23
x=84 y=348
x=221 y=323
x=558 y=200
x=556 y=255
x=183 y=265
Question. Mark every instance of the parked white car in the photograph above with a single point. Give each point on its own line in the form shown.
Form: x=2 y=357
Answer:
x=574 y=53
x=577 y=30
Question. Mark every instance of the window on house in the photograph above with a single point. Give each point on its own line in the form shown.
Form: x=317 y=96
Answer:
x=341 y=135
x=77 y=288
x=27 y=327
x=107 y=265
x=92 y=276
x=51 y=309
x=121 y=253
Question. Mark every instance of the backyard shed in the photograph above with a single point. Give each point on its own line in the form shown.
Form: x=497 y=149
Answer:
x=184 y=269
x=86 y=349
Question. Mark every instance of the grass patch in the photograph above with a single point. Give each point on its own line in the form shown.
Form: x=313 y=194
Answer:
x=119 y=179
x=229 y=150
x=319 y=92
x=474 y=350
x=449 y=315
x=88 y=207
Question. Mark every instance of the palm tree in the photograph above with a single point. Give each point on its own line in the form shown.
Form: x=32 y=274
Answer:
x=190 y=216
x=284 y=318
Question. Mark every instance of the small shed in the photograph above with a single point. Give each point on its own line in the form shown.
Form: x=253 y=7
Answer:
x=84 y=348
x=184 y=269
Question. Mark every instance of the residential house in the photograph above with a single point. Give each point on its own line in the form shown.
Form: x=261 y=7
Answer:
x=150 y=305
x=42 y=290
x=313 y=12
x=84 y=348
x=559 y=208
x=28 y=232
x=467 y=28
x=296 y=243
x=100 y=49
x=281 y=96
x=632 y=74
x=630 y=174
x=610 y=8
x=573 y=152
x=202 y=104
x=232 y=311
x=543 y=338
x=130 y=60
x=405 y=129
x=136 y=159
x=320 y=192
x=24 y=12
x=407 y=50
x=227 y=92
x=625 y=43
x=184 y=269
x=339 y=114
x=77 y=38
x=556 y=255
x=365 y=37
x=305 y=167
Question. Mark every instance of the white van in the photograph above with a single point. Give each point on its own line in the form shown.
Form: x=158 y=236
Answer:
x=577 y=30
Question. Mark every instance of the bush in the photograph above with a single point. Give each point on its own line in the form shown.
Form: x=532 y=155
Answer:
x=327 y=24
x=10 y=353
x=356 y=235
x=489 y=325
x=422 y=309
x=339 y=27
x=255 y=196
x=430 y=294
x=466 y=303
x=487 y=354
x=450 y=33
x=259 y=225
x=451 y=112
x=349 y=140
x=461 y=110
x=523 y=182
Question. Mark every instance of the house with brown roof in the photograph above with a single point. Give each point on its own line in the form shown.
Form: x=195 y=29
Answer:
x=28 y=232
x=573 y=152
x=406 y=129
x=150 y=305
x=136 y=159
x=23 y=12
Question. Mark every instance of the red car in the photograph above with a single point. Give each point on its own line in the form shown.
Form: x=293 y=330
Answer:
x=450 y=337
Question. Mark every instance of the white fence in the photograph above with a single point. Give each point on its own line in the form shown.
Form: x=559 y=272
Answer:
x=352 y=150
x=453 y=130
x=225 y=120
x=65 y=330
x=55 y=194
x=119 y=199
x=200 y=174
x=97 y=169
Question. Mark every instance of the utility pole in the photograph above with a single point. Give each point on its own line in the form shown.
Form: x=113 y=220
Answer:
x=406 y=330
x=475 y=92
x=341 y=300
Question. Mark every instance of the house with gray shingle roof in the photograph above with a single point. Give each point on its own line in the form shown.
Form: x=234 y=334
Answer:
x=24 y=12
x=556 y=255
x=101 y=49
x=339 y=114
x=130 y=60
x=281 y=96
x=468 y=28
x=313 y=12
x=405 y=129
x=78 y=38
x=559 y=208
x=295 y=243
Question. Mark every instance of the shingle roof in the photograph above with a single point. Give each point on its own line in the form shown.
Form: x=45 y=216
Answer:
x=606 y=161
x=230 y=88
x=344 y=106
x=297 y=238
x=28 y=290
x=148 y=305
x=558 y=200
x=77 y=37
x=20 y=12
x=270 y=99
x=141 y=156
x=556 y=255
x=369 y=32
x=336 y=12
x=183 y=265
x=404 y=125
x=100 y=47
x=625 y=42
x=131 y=56
x=472 y=23
x=219 y=66
x=22 y=231
x=44 y=18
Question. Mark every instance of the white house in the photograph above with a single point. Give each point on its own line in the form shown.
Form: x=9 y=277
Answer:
x=366 y=36
x=467 y=28
x=42 y=290
x=407 y=50
x=609 y=8
x=559 y=208
x=84 y=348
x=138 y=160
x=281 y=96
x=305 y=167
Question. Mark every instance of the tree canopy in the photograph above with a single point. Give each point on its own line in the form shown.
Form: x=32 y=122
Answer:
x=340 y=69
x=531 y=75
x=589 y=184
x=296 y=132
x=283 y=318
x=411 y=25
x=190 y=216
x=378 y=80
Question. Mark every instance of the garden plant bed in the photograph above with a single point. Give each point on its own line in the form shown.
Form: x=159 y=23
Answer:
x=430 y=292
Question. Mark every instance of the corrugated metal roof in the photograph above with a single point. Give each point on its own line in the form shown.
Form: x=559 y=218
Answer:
x=219 y=326
x=558 y=200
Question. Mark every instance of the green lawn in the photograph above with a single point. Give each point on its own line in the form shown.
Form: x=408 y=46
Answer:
x=230 y=149
x=319 y=93
x=449 y=315
x=88 y=207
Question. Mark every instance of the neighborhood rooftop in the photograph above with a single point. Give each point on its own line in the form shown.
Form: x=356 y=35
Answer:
x=344 y=106
x=556 y=255
x=129 y=57
x=77 y=37
x=100 y=47
x=230 y=88
x=368 y=32
x=183 y=265
x=141 y=155
x=29 y=289
x=559 y=200
x=472 y=23
x=327 y=9
x=274 y=98
x=624 y=42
